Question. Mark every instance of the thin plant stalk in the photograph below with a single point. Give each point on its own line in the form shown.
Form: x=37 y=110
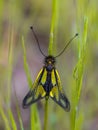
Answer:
x=46 y=114
x=53 y=30
x=10 y=61
x=51 y=49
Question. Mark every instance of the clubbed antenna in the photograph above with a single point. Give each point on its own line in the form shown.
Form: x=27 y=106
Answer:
x=67 y=45
x=37 y=40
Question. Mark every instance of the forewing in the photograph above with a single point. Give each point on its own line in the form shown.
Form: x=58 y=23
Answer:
x=37 y=91
x=57 y=93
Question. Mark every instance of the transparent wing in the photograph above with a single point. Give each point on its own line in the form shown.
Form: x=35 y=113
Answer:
x=37 y=91
x=57 y=93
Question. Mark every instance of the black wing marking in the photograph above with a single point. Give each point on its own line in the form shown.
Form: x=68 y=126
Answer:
x=37 y=91
x=57 y=93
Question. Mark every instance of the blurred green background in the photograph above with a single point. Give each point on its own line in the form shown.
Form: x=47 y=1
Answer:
x=16 y=17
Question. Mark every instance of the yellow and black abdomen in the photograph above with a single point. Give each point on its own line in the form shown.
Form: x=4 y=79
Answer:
x=46 y=81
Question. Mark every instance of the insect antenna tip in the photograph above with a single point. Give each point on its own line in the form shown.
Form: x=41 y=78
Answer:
x=76 y=34
x=31 y=27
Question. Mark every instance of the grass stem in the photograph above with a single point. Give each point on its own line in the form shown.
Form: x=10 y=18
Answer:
x=46 y=115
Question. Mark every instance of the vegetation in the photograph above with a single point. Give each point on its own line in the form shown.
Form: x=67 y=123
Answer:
x=20 y=62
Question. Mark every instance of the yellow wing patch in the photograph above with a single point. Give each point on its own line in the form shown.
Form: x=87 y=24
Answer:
x=43 y=80
x=59 y=81
x=57 y=93
x=37 y=91
x=44 y=86
x=37 y=80
x=54 y=93
x=53 y=78
x=40 y=91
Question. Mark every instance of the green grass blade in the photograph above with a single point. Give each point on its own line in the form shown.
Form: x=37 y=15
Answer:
x=46 y=115
x=54 y=21
x=4 y=117
x=10 y=63
x=20 y=120
x=80 y=66
x=79 y=121
x=18 y=112
x=51 y=48
x=35 y=122
x=78 y=75
x=26 y=68
x=12 y=120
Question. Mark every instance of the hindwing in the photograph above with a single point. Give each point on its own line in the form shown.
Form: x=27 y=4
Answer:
x=38 y=92
x=57 y=93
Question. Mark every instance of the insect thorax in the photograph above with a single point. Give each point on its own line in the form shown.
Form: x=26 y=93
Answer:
x=49 y=63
